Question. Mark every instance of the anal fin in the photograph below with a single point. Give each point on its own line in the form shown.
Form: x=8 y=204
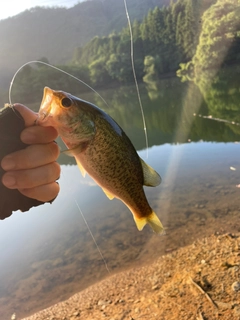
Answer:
x=83 y=171
x=108 y=194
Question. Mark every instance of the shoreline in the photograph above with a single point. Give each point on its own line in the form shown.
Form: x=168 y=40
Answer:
x=199 y=281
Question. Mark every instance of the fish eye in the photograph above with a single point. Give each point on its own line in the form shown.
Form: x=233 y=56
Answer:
x=66 y=102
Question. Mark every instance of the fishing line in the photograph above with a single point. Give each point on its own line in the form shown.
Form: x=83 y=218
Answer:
x=70 y=75
x=53 y=67
x=134 y=75
x=94 y=240
x=89 y=230
x=88 y=86
x=216 y=119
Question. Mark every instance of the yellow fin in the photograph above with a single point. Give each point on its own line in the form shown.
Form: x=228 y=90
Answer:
x=151 y=177
x=83 y=171
x=108 y=194
x=152 y=220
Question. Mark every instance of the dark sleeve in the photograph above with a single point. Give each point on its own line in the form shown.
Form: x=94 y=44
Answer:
x=11 y=126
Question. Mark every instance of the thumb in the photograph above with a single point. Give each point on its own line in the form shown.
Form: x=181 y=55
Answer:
x=28 y=115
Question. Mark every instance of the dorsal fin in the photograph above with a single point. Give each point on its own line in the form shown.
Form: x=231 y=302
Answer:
x=151 y=177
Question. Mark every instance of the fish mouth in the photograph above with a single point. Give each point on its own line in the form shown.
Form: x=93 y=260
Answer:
x=46 y=105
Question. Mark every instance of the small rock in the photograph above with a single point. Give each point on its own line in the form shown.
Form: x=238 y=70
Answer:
x=156 y=287
x=167 y=275
x=101 y=302
x=13 y=317
x=236 y=286
x=224 y=305
x=237 y=309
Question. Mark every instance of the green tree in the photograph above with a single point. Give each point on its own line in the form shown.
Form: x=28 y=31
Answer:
x=220 y=30
x=98 y=72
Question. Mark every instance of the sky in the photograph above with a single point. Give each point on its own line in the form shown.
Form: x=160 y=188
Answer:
x=10 y=8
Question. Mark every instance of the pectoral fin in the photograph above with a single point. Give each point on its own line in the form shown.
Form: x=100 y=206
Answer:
x=108 y=194
x=151 y=177
x=76 y=150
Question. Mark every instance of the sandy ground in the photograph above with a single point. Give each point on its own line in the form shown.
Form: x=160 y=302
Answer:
x=200 y=282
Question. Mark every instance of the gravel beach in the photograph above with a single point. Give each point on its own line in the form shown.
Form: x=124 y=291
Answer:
x=199 y=281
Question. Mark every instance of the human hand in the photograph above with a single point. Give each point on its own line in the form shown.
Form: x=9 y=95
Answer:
x=33 y=170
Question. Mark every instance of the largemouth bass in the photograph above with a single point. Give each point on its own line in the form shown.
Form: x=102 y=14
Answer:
x=103 y=150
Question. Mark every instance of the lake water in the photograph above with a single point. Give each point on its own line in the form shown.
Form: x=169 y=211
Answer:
x=47 y=254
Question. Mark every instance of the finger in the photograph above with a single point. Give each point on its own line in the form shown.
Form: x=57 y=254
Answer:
x=25 y=179
x=43 y=193
x=34 y=134
x=28 y=115
x=37 y=134
x=31 y=157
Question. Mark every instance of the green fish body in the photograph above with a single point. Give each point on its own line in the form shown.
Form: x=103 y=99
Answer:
x=103 y=150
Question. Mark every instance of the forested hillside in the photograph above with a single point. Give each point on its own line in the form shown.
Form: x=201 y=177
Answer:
x=165 y=38
x=218 y=44
x=55 y=32
x=188 y=37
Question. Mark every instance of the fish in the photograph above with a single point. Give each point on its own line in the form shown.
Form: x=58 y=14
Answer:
x=103 y=150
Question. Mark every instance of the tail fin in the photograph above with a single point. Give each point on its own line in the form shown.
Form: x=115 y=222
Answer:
x=152 y=220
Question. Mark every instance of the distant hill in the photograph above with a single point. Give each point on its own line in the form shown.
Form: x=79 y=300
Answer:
x=55 y=32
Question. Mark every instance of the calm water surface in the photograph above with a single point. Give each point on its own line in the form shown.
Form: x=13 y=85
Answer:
x=47 y=254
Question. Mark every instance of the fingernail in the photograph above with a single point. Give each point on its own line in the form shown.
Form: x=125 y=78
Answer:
x=8 y=163
x=28 y=137
x=9 y=180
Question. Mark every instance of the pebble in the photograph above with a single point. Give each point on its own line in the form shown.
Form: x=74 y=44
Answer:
x=224 y=305
x=237 y=309
x=156 y=287
x=236 y=286
x=101 y=302
x=199 y=206
x=167 y=274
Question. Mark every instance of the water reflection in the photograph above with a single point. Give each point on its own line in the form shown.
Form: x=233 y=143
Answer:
x=47 y=254
x=169 y=108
